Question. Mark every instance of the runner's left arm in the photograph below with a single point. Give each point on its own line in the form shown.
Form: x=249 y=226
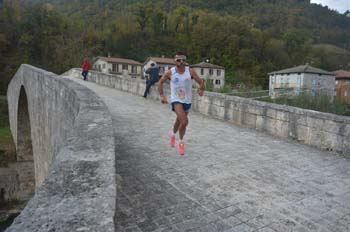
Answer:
x=198 y=80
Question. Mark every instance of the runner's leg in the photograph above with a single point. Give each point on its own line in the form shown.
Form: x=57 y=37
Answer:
x=182 y=118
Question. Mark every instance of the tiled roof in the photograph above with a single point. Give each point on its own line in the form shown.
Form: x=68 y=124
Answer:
x=302 y=69
x=207 y=65
x=161 y=60
x=119 y=60
x=342 y=74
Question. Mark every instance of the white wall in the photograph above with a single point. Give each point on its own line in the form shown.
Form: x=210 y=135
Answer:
x=101 y=65
x=214 y=76
x=299 y=81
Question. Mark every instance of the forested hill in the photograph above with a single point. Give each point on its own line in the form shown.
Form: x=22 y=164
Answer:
x=249 y=37
x=277 y=16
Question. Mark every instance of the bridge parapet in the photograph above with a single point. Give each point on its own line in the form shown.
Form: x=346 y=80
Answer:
x=321 y=130
x=70 y=135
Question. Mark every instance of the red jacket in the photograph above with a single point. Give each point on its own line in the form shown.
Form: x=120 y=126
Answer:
x=85 y=66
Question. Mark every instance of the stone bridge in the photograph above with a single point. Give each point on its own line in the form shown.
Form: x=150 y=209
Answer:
x=102 y=162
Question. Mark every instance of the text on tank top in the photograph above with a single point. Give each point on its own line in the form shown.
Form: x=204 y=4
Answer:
x=181 y=86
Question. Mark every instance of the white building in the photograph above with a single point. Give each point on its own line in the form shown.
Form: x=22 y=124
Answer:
x=292 y=81
x=163 y=63
x=121 y=66
x=215 y=73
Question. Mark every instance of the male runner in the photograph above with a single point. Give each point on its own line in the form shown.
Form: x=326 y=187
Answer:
x=180 y=78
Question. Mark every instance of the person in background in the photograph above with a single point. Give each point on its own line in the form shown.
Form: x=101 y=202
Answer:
x=153 y=73
x=85 y=66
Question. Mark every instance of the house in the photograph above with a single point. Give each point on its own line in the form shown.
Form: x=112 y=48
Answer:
x=162 y=62
x=215 y=73
x=342 y=85
x=292 y=81
x=116 y=65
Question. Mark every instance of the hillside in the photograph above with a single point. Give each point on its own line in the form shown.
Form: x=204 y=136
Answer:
x=249 y=37
x=323 y=24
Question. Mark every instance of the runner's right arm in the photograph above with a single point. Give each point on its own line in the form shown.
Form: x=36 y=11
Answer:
x=166 y=76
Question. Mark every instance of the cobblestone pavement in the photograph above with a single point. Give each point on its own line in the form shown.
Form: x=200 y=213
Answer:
x=230 y=179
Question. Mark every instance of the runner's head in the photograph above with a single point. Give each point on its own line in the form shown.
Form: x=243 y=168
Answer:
x=180 y=59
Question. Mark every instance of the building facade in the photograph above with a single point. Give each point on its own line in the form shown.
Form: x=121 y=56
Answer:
x=342 y=85
x=303 y=78
x=120 y=66
x=214 y=73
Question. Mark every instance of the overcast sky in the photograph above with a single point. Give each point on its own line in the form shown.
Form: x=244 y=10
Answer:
x=340 y=5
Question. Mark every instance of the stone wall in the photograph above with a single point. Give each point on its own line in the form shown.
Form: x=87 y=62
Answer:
x=321 y=130
x=71 y=138
x=17 y=181
x=9 y=184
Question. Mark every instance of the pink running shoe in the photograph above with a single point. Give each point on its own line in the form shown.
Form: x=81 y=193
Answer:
x=181 y=148
x=172 y=140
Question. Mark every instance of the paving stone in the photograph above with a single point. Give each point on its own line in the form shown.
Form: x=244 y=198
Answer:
x=230 y=179
x=241 y=228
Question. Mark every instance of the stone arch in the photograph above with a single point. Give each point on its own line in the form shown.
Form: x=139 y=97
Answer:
x=24 y=156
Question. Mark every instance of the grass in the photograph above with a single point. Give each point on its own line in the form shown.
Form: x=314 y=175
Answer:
x=318 y=102
x=7 y=147
x=5 y=135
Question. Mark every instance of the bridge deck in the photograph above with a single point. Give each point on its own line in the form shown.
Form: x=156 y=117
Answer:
x=230 y=179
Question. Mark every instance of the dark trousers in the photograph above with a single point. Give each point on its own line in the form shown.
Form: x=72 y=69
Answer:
x=149 y=83
x=85 y=73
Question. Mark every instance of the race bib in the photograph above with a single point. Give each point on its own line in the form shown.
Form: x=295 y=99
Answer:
x=180 y=94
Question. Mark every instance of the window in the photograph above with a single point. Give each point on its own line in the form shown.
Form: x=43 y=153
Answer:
x=133 y=69
x=211 y=71
x=218 y=72
x=202 y=71
x=217 y=82
x=114 y=67
x=211 y=81
x=125 y=67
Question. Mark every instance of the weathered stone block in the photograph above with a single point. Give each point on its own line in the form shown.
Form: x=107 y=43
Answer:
x=271 y=113
x=282 y=115
x=249 y=120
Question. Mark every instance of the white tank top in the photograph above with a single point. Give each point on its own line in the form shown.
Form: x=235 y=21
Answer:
x=181 y=86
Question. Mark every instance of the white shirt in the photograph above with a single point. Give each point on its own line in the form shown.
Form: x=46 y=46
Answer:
x=181 y=86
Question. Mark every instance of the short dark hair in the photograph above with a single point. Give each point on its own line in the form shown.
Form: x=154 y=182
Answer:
x=152 y=64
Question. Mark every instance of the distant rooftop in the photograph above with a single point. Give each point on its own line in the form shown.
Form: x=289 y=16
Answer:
x=161 y=60
x=302 y=69
x=207 y=65
x=119 y=60
x=342 y=74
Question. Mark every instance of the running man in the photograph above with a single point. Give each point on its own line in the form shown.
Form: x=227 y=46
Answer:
x=180 y=78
